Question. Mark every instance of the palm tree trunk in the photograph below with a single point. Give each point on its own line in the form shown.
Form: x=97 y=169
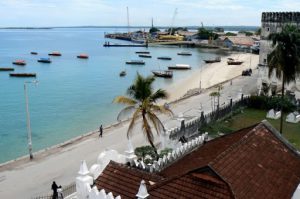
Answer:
x=148 y=134
x=281 y=108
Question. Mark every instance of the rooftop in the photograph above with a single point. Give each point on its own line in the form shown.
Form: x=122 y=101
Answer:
x=250 y=163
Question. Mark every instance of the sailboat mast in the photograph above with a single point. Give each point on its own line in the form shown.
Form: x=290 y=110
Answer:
x=128 y=26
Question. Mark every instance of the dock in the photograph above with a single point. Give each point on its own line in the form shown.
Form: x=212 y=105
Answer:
x=125 y=45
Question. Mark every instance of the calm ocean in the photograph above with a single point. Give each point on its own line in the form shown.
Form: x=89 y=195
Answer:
x=73 y=96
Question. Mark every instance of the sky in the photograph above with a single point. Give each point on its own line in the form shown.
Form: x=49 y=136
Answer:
x=43 y=13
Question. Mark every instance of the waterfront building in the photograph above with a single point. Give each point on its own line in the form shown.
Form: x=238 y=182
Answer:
x=253 y=162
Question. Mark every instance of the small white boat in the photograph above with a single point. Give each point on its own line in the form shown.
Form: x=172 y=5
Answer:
x=180 y=67
x=185 y=53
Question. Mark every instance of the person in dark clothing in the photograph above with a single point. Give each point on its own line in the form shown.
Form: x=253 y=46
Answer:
x=54 y=187
x=101 y=131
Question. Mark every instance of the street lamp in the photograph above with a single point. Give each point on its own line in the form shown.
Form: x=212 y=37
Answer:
x=28 y=118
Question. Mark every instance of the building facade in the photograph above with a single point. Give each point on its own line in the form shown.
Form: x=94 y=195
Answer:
x=272 y=22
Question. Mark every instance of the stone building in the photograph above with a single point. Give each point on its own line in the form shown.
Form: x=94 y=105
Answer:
x=272 y=22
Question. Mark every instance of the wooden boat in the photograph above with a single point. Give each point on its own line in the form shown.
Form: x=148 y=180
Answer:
x=136 y=62
x=44 y=60
x=83 y=56
x=209 y=61
x=142 y=52
x=123 y=73
x=55 y=53
x=185 y=53
x=33 y=53
x=20 y=62
x=22 y=74
x=146 y=56
x=164 y=58
x=180 y=67
x=7 y=69
x=234 y=62
x=163 y=73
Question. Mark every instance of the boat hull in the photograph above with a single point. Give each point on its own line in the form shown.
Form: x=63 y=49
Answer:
x=164 y=74
x=22 y=74
x=7 y=69
x=44 y=61
x=164 y=58
x=234 y=62
x=145 y=56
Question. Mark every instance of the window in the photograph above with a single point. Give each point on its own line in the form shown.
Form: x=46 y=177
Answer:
x=268 y=29
x=265 y=61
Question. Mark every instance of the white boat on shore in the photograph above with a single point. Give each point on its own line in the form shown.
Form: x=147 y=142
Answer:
x=180 y=67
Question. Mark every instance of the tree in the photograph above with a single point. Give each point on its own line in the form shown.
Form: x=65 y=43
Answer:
x=258 y=31
x=247 y=33
x=203 y=33
x=154 y=29
x=142 y=102
x=284 y=60
x=230 y=34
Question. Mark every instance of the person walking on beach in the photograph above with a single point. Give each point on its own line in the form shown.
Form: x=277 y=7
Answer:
x=100 y=130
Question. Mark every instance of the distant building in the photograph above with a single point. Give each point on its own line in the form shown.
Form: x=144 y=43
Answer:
x=253 y=162
x=235 y=42
x=272 y=22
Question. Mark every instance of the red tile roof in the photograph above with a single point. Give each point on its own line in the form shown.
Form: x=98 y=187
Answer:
x=123 y=180
x=198 y=184
x=253 y=162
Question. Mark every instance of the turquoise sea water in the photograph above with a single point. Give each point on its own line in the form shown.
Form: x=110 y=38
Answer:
x=73 y=96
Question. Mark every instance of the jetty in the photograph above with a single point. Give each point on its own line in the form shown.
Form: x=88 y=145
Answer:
x=107 y=44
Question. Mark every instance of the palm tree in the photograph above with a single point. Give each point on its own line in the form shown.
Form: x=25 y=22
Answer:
x=142 y=103
x=284 y=60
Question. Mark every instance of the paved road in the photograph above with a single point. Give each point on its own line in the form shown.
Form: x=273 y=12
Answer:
x=35 y=178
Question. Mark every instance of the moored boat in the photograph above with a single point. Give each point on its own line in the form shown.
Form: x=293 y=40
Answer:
x=33 y=53
x=20 y=62
x=209 y=61
x=7 y=69
x=44 y=60
x=145 y=56
x=83 y=56
x=184 y=53
x=164 y=58
x=234 y=62
x=123 y=73
x=142 y=52
x=135 y=62
x=22 y=74
x=180 y=67
x=163 y=73
x=55 y=53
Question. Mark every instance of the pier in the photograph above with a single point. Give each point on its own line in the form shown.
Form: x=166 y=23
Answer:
x=107 y=44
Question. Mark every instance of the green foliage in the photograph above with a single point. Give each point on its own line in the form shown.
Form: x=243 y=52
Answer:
x=266 y=103
x=247 y=33
x=143 y=151
x=176 y=29
x=230 y=34
x=258 y=31
x=203 y=33
x=165 y=152
x=154 y=29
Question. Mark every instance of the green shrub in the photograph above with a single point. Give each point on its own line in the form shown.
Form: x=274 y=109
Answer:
x=165 y=152
x=142 y=151
x=266 y=103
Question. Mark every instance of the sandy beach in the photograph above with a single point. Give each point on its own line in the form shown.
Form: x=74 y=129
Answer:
x=61 y=163
x=212 y=74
